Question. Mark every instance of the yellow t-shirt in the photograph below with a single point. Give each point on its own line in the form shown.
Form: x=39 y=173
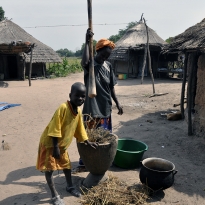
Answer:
x=65 y=125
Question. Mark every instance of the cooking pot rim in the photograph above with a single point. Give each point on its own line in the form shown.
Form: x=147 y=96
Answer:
x=155 y=158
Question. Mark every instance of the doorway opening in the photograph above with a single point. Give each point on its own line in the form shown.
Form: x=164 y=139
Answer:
x=12 y=67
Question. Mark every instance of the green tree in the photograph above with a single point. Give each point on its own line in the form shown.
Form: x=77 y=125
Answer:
x=1 y=14
x=169 y=40
x=80 y=52
x=69 y=53
x=65 y=52
x=60 y=52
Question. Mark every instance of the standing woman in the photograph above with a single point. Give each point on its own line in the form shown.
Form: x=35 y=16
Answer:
x=100 y=107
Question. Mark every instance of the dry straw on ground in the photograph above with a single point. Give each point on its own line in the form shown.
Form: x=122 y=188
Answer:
x=114 y=192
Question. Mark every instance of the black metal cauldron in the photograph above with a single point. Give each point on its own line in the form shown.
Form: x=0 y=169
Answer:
x=157 y=173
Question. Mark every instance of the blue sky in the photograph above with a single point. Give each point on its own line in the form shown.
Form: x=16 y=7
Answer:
x=166 y=17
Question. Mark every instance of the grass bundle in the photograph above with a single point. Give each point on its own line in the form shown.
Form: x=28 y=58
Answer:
x=97 y=134
x=114 y=192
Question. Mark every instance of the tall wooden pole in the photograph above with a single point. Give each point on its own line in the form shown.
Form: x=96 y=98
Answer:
x=189 y=92
x=149 y=57
x=183 y=85
x=24 y=68
x=92 y=86
x=30 y=68
x=145 y=54
x=144 y=63
x=44 y=70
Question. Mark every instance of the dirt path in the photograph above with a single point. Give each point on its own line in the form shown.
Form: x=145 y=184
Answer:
x=21 y=127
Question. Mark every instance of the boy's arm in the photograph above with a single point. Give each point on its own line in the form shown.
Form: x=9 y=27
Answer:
x=56 y=150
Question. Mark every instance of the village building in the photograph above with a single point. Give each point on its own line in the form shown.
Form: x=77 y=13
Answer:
x=15 y=50
x=192 y=44
x=128 y=55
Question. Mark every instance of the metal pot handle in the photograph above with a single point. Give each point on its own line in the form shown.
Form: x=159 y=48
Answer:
x=174 y=172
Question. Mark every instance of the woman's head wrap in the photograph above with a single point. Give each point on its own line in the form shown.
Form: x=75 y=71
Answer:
x=104 y=42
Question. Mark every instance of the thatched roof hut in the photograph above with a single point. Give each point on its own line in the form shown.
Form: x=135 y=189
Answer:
x=128 y=53
x=136 y=38
x=192 y=43
x=192 y=39
x=15 y=45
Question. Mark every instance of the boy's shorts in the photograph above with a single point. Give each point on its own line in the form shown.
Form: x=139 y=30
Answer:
x=46 y=162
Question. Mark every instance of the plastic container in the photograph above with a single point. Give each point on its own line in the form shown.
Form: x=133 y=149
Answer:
x=120 y=77
x=129 y=153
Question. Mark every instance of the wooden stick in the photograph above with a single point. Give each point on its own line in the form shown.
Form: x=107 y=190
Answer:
x=144 y=61
x=149 y=57
x=145 y=56
x=157 y=66
x=189 y=93
x=24 y=68
x=30 y=68
x=183 y=85
x=175 y=105
x=44 y=70
x=128 y=63
x=150 y=66
x=157 y=94
x=91 y=86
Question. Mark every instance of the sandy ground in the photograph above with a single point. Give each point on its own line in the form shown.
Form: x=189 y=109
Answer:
x=21 y=127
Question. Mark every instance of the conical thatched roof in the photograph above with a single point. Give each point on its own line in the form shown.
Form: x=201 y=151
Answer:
x=14 y=39
x=191 y=39
x=135 y=38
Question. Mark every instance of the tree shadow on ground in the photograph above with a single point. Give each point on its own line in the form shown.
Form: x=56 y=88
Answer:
x=169 y=140
x=42 y=192
x=4 y=84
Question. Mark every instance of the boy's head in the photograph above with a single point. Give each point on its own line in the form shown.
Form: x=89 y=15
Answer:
x=77 y=94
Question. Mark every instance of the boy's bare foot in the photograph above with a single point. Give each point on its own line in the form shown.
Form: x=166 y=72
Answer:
x=73 y=191
x=57 y=200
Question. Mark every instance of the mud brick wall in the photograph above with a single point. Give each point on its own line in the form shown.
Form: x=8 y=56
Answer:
x=199 y=119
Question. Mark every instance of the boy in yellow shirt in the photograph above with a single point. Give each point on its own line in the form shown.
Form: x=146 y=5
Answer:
x=65 y=124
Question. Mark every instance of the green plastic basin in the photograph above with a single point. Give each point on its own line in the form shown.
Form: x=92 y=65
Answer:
x=129 y=153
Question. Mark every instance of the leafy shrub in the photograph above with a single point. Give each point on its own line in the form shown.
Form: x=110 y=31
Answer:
x=65 y=68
